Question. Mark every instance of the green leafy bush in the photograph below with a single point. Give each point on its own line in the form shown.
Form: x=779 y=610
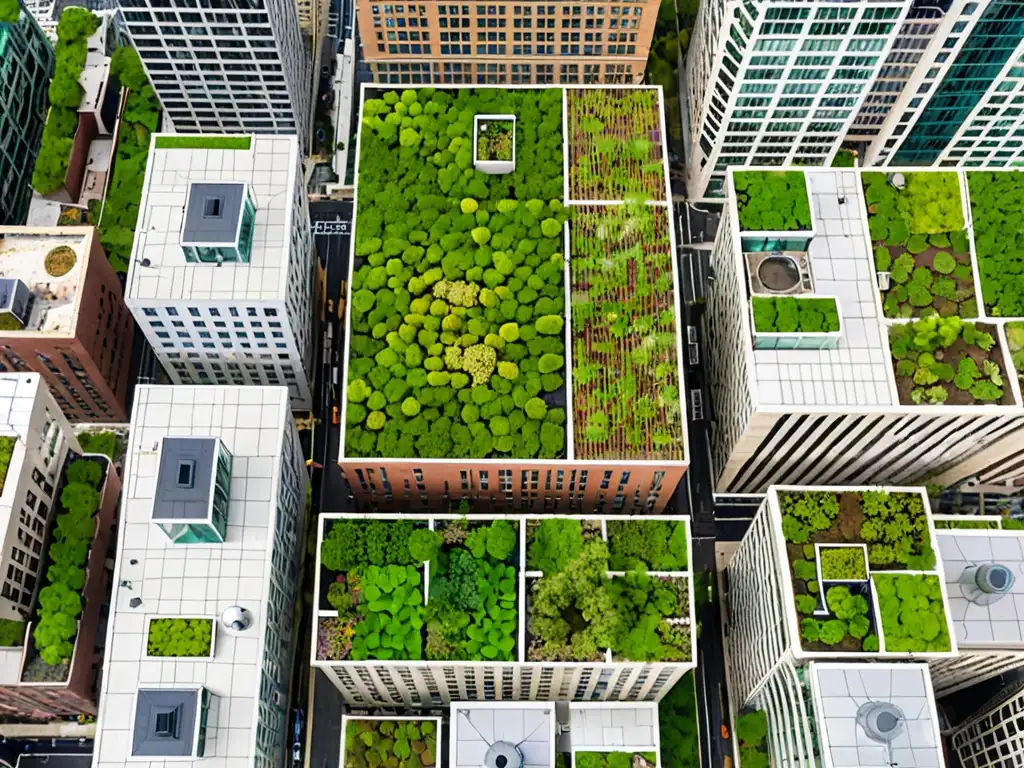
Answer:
x=99 y=442
x=788 y=314
x=179 y=637
x=655 y=544
x=12 y=633
x=677 y=724
x=611 y=759
x=351 y=544
x=772 y=201
x=896 y=530
x=555 y=543
x=912 y=613
x=997 y=199
x=843 y=564
x=391 y=610
x=424 y=544
x=390 y=744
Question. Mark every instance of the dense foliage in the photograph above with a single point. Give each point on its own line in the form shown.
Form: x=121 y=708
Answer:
x=913 y=613
x=99 y=442
x=849 y=617
x=611 y=759
x=615 y=144
x=556 y=542
x=772 y=201
x=752 y=736
x=457 y=301
x=179 y=637
x=844 y=158
x=940 y=359
x=625 y=368
x=843 y=564
x=390 y=744
x=657 y=545
x=1015 y=340
x=997 y=199
x=6 y=452
x=677 y=726
x=140 y=118
x=203 y=142
x=60 y=603
x=10 y=11
x=12 y=633
x=967 y=524
x=789 y=314
x=73 y=31
x=495 y=139
x=929 y=203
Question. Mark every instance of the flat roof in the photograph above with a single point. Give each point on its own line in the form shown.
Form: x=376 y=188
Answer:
x=477 y=726
x=213 y=214
x=183 y=483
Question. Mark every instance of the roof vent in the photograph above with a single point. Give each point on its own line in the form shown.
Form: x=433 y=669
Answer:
x=882 y=721
x=986 y=583
x=503 y=754
x=167 y=724
x=236 y=618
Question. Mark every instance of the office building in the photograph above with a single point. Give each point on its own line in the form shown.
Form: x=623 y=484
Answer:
x=594 y=451
x=199 y=647
x=63 y=316
x=994 y=735
x=239 y=70
x=221 y=274
x=26 y=65
x=834 y=405
x=517 y=660
x=567 y=43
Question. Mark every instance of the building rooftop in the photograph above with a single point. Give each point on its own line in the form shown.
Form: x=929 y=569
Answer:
x=269 y=167
x=51 y=264
x=214 y=213
x=185 y=478
x=876 y=715
x=195 y=580
x=165 y=722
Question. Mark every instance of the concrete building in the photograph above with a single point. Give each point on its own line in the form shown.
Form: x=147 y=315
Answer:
x=242 y=70
x=221 y=274
x=836 y=413
x=38 y=444
x=566 y=43
x=199 y=641
x=26 y=65
x=375 y=682
x=65 y=318
x=994 y=736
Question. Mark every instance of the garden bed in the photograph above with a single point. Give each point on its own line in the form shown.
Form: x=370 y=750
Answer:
x=390 y=743
x=457 y=297
x=626 y=399
x=913 y=613
x=615 y=144
x=190 y=638
x=997 y=199
x=585 y=759
x=940 y=360
x=1015 y=340
x=772 y=201
x=794 y=315
x=919 y=238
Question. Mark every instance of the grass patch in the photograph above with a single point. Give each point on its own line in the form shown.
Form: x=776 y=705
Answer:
x=203 y=142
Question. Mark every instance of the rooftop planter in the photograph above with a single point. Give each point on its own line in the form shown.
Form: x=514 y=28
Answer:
x=626 y=400
x=494 y=143
x=997 y=199
x=578 y=611
x=457 y=289
x=752 y=739
x=946 y=360
x=919 y=239
x=1015 y=341
x=384 y=742
x=773 y=202
x=795 y=322
x=203 y=142
x=837 y=545
x=615 y=144
x=614 y=759
x=12 y=633
x=677 y=725
x=6 y=452
x=913 y=613
x=181 y=638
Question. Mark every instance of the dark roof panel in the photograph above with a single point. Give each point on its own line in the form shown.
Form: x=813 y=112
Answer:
x=184 y=479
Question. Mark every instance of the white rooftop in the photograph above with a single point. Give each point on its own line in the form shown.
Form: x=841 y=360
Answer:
x=475 y=726
x=843 y=696
x=269 y=166
x=979 y=620
x=23 y=253
x=858 y=372
x=195 y=580
x=614 y=728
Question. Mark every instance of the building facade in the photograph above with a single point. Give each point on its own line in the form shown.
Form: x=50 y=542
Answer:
x=230 y=457
x=73 y=327
x=26 y=66
x=239 y=70
x=994 y=736
x=507 y=43
x=221 y=276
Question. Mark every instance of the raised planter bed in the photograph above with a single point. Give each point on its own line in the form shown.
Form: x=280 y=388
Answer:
x=494 y=143
x=997 y=199
x=617 y=759
x=180 y=637
x=773 y=202
x=389 y=742
x=796 y=322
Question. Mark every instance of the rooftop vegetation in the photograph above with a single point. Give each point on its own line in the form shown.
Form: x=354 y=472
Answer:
x=6 y=452
x=791 y=314
x=613 y=759
x=75 y=27
x=913 y=613
x=495 y=140
x=656 y=545
x=190 y=638
x=946 y=360
x=141 y=117
x=390 y=744
x=772 y=201
x=59 y=261
x=10 y=11
x=1015 y=339
x=105 y=443
x=203 y=142
x=752 y=737
x=997 y=199
x=12 y=633
x=919 y=238
x=615 y=144
x=845 y=158
x=677 y=725
x=577 y=611
x=457 y=303
x=625 y=379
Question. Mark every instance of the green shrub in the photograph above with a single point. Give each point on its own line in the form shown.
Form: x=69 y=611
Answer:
x=390 y=743
x=424 y=545
x=944 y=263
x=657 y=545
x=556 y=542
x=179 y=637
x=772 y=201
x=912 y=613
x=678 y=725
x=12 y=633
x=787 y=314
x=843 y=564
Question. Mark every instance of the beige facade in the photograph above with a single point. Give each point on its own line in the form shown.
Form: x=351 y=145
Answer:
x=504 y=42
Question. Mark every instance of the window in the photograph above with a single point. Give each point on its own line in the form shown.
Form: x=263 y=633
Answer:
x=186 y=474
x=212 y=207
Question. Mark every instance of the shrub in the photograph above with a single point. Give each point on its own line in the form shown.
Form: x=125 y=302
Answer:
x=424 y=545
x=179 y=637
x=843 y=564
x=772 y=201
x=555 y=543
x=944 y=263
x=12 y=633
x=786 y=314
x=641 y=544
x=912 y=613
x=59 y=261
x=392 y=743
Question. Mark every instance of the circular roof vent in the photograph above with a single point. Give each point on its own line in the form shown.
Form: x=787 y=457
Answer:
x=503 y=754
x=994 y=579
x=881 y=721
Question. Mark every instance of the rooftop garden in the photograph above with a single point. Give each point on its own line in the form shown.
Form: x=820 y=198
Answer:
x=495 y=140
x=835 y=544
x=10 y=11
x=183 y=638
x=626 y=399
x=772 y=201
x=677 y=725
x=457 y=307
x=74 y=29
x=997 y=200
x=6 y=453
x=1015 y=339
x=577 y=610
x=615 y=144
x=584 y=759
x=203 y=142
x=919 y=239
x=752 y=739
x=106 y=443
x=792 y=314
x=390 y=743
x=946 y=360
x=12 y=633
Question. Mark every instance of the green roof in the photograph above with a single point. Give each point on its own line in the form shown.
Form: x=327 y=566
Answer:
x=203 y=142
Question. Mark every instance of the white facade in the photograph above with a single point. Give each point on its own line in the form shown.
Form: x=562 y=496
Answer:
x=994 y=737
x=436 y=683
x=41 y=438
x=808 y=416
x=242 y=69
x=248 y=671
x=229 y=323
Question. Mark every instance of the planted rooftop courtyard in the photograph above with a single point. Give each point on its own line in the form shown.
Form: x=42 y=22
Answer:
x=997 y=200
